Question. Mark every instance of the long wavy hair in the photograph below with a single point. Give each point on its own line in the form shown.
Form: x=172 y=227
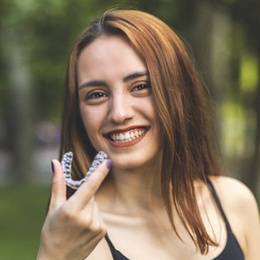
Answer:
x=180 y=102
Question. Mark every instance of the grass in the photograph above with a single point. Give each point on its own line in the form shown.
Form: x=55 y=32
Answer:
x=22 y=213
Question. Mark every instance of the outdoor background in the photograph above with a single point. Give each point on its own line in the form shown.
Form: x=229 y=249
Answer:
x=36 y=37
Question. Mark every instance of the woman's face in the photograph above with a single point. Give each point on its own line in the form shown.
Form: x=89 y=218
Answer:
x=116 y=103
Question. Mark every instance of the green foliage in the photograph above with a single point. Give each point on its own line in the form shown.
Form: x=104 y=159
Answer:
x=249 y=74
x=233 y=142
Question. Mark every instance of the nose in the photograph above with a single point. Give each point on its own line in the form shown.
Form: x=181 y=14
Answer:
x=120 y=108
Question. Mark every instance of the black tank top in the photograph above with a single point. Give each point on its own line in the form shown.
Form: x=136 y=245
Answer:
x=232 y=250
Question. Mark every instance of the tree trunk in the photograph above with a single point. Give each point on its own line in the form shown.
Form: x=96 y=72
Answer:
x=212 y=29
x=19 y=115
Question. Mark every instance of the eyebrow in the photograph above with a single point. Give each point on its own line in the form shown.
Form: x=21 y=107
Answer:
x=135 y=75
x=127 y=78
x=93 y=83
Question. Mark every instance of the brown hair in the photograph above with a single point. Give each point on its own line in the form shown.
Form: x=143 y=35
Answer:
x=181 y=105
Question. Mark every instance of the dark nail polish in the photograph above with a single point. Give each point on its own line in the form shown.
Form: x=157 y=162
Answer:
x=52 y=166
x=109 y=164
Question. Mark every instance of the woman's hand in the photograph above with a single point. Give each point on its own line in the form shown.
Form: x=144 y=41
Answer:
x=73 y=227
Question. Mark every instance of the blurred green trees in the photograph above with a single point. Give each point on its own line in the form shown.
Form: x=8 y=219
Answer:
x=36 y=38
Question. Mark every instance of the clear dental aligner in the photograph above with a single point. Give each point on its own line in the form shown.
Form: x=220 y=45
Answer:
x=66 y=163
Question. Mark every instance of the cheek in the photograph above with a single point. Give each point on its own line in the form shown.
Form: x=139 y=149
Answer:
x=154 y=116
x=92 y=119
x=149 y=108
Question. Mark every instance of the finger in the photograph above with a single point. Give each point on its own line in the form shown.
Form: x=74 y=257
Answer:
x=58 y=193
x=87 y=190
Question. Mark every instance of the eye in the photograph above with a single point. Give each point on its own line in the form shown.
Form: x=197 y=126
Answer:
x=95 y=95
x=142 y=87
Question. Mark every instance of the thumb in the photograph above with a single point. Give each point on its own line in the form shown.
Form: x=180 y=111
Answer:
x=58 y=191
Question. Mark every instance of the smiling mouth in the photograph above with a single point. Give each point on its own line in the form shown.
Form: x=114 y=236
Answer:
x=128 y=136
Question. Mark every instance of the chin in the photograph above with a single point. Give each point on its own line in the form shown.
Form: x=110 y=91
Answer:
x=124 y=161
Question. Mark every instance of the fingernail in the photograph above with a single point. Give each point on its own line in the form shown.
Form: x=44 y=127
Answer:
x=52 y=166
x=109 y=164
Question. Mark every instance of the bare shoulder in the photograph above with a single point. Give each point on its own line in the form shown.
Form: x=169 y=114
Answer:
x=237 y=199
x=233 y=192
x=241 y=209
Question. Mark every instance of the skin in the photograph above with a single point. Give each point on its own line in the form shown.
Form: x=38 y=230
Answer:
x=124 y=105
x=115 y=97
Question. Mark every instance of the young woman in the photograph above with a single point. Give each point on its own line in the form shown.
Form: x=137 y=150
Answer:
x=133 y=93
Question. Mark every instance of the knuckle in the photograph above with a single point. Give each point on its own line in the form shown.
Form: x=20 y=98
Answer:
x=87 y=222
x=99 y=231
x=95 y=226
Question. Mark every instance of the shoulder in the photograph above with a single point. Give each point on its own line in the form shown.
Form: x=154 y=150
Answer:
x=233 y=192
x=241 y=209
x=236 y=198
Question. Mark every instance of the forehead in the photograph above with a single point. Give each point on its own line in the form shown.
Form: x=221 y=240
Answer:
x=108 y=55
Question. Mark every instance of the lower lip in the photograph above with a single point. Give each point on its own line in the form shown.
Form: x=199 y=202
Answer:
x=127 y=144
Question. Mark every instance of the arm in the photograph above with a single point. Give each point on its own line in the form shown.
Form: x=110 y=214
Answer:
x=73 y=227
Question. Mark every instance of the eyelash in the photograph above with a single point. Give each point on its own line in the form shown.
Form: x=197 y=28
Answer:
x=142 y=86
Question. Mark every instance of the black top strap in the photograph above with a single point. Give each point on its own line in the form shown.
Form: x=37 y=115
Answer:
x=216 y=198
x=110 y=244
x=117 y=255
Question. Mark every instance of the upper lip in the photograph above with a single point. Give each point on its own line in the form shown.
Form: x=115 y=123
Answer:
x=122 y=130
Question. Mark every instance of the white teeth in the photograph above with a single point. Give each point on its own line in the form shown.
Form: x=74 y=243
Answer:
x=126 y=137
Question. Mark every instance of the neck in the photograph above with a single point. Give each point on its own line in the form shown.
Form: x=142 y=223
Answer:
x=131 y=190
